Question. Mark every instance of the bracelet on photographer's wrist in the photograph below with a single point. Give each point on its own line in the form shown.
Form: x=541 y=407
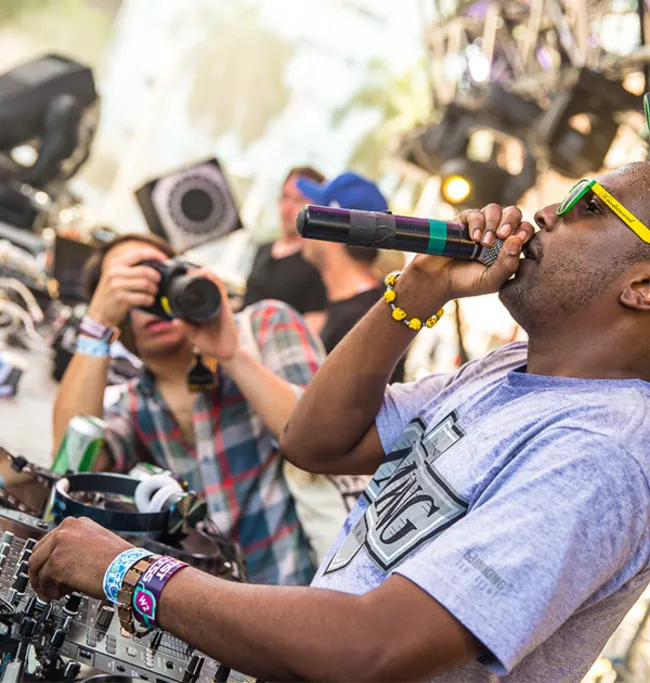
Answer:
x=97 y=348
x=91 y=327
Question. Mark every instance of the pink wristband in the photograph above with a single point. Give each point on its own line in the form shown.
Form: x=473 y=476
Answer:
x=147 y=593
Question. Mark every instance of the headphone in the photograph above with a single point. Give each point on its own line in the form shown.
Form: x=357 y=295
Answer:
x=153 y=494
x=163 y=505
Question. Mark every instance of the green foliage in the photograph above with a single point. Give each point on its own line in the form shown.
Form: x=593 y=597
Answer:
x=12 y=9
x=238 y=85
x=69 y=27
x=400 y=101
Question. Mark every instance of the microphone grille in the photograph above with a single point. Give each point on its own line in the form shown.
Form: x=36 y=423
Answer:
x=490 y=254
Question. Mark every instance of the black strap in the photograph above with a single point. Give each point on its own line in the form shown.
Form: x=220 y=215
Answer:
x=115 y=520
x=370 y=229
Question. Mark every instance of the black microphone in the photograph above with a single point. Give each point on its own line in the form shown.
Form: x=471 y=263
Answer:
x=382 y=230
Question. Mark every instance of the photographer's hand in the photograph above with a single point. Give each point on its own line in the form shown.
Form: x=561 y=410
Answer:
x=124 y=285
x=217 y=339
x=271 y=396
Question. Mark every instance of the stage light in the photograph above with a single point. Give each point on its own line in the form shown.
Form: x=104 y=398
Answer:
x=577 y=130
x=472 y=184
x=455 y=189
x=469 y=183
x=471 y=148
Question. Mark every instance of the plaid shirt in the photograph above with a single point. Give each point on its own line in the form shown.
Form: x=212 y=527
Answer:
x=234 y=464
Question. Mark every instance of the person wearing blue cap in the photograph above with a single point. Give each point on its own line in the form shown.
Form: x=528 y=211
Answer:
x=348 y=272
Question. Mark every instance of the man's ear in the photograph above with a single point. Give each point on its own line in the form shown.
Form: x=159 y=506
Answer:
x=636 y=294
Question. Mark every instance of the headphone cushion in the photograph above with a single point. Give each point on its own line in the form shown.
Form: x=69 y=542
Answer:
x=147 y=488
x=161 y=496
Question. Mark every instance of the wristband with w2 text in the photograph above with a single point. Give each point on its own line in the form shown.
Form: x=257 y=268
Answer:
x=150 y=586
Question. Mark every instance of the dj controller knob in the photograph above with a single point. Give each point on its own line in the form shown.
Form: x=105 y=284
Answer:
x=25 y=556
x=47 y=610
x=27 y=627
x=7 y=538
x=29 y=545
x=32 y=607
x=23 y=568
x=193 y=670
x=104 y=618
x=221 y=674
x=20 y=583
x=57 y=639
x=72 y=605
x=71 y=671
x=156 y=640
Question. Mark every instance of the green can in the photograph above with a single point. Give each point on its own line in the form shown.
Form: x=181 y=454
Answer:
x=81 y=445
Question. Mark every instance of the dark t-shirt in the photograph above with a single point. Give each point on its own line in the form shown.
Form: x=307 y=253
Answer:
x=343 y=315
x=290 y=279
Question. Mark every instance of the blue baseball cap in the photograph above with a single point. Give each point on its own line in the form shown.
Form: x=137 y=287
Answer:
x=347 y=191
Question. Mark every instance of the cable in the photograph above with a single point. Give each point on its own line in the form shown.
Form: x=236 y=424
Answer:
x=30 y=330
x=30 y=300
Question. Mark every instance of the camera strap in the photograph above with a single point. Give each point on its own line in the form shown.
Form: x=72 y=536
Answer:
x=200 y=375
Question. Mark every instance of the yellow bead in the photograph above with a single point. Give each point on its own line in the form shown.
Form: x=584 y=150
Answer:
x=430 y=322
x=415 y=324
x=398 y=314
x=389 y=295
x=440 y=313
x=391 y=279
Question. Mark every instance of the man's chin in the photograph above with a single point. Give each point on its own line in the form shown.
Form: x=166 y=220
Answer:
x=158 y=348
x=517 y=296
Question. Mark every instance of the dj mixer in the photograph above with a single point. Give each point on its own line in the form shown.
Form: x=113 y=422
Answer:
x=77 y=638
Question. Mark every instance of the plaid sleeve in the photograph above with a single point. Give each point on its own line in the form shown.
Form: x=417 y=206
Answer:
x=121 y=440
x=286 y=345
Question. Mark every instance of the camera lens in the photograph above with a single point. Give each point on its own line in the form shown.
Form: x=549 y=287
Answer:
x=195 y=299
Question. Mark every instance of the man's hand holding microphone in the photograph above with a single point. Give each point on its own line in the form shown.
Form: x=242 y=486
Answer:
x=432 y=281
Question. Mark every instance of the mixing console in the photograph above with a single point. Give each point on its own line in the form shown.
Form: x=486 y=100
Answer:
x=78 y=637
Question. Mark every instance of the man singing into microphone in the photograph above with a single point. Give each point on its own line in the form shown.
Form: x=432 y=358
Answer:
x=505 y=533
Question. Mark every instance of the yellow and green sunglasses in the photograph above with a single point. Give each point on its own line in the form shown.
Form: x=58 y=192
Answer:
x=580 y=189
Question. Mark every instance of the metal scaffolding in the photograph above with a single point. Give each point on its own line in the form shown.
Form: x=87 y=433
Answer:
x=526 y=45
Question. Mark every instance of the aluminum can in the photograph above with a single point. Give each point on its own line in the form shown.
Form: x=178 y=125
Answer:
x=81 y=445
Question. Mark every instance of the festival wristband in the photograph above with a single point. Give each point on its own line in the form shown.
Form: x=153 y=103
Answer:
x=118 y=568
x=91 y=328
x=150 y=586
x=93 y=347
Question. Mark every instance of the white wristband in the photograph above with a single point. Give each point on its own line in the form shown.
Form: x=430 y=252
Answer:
x=88 y=346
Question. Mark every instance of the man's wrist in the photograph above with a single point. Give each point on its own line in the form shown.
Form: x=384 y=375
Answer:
x=95 y=329
x=101 y=318
x=88 y=346
x=418 y=294
x=239 y=359
x=174 y=593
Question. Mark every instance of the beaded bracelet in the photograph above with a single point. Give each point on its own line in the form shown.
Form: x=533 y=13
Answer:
x=118 y=568
x=399 y=314
x=150 y=586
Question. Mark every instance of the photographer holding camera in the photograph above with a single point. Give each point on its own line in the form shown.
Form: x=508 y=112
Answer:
x=216 y=428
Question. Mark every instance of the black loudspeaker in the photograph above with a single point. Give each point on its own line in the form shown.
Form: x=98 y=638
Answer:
x=191 y=206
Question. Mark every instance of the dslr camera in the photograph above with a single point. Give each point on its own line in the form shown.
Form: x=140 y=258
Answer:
x=190 y=297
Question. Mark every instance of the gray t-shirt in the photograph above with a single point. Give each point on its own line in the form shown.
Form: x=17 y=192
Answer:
x=519 y=502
